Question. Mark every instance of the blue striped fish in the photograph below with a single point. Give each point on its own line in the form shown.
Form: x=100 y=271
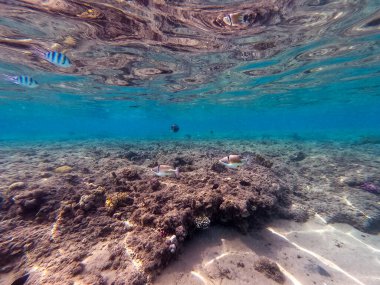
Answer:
x=22 y=80
x=57 y=58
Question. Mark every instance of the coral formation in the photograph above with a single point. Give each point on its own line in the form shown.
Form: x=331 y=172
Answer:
x=113 y=210
x=115 y=200
x=202 y=222
x=63 y=169
x=17 y=186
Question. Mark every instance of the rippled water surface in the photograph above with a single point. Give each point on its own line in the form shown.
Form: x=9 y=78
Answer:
x=233 y=68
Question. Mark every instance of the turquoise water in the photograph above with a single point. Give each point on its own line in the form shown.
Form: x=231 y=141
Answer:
x=307 y=69
x=278 y=108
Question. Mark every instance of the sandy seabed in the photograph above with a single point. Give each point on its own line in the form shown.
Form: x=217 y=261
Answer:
x=94 y=213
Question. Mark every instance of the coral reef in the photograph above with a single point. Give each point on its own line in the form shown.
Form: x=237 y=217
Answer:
x=110 y=213
x=202 y=222
x=17 y=186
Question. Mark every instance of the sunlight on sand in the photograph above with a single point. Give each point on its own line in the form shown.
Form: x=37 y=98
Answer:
x=201 y=278
x=317 y=256
x=289 y=275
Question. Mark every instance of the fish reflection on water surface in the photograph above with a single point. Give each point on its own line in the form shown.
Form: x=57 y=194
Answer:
x=54 y=57
x=22 y=80
x=182 y=45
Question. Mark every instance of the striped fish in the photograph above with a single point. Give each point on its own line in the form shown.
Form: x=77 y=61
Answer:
x=57 y=58
x=22 y=80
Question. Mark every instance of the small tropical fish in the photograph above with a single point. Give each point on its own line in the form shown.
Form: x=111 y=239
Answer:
x=54 y=57
x=163 y=170
x=58 y=58
x=174 y=128
x=236 y=19
x=22 y=80
x=232 y=161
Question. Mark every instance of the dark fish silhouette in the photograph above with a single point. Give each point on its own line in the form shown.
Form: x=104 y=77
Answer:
x=174 y=128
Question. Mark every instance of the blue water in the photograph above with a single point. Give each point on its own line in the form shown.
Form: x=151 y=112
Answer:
x=292 y=86
x=319 y=81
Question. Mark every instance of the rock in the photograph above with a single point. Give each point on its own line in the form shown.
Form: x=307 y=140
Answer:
x=136 y=157
x=298 y=156
x=244 y=183
x=352 y=180
x=30 y=202
x=181 y=233
x=116 y=200
x=218 y=167
x=30 y=205
x=137 y=278
x=155 y=184
x=370 y=187
x=85 y=170
x=270 y=269
x=297 y=212
x=63 y=169
x=130 y=155
x=215 y=186
x=147 y=219
x=94 y=200
x=77 y=269
x=372 y=225
x=182 y=161
x=369 y=140
x=6 y=268
x=105 y=231
x=261 y=160
x=172 y=248
x=173 y=239
x=72 y=179
x=202 y=222
x=45 y=175
x=129 y=174
x=86 y=202
x=17 y=186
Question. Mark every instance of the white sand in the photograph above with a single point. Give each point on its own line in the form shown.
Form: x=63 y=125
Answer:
x=309 y=253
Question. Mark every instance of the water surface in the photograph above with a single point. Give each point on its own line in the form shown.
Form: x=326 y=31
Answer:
x=309 y=68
